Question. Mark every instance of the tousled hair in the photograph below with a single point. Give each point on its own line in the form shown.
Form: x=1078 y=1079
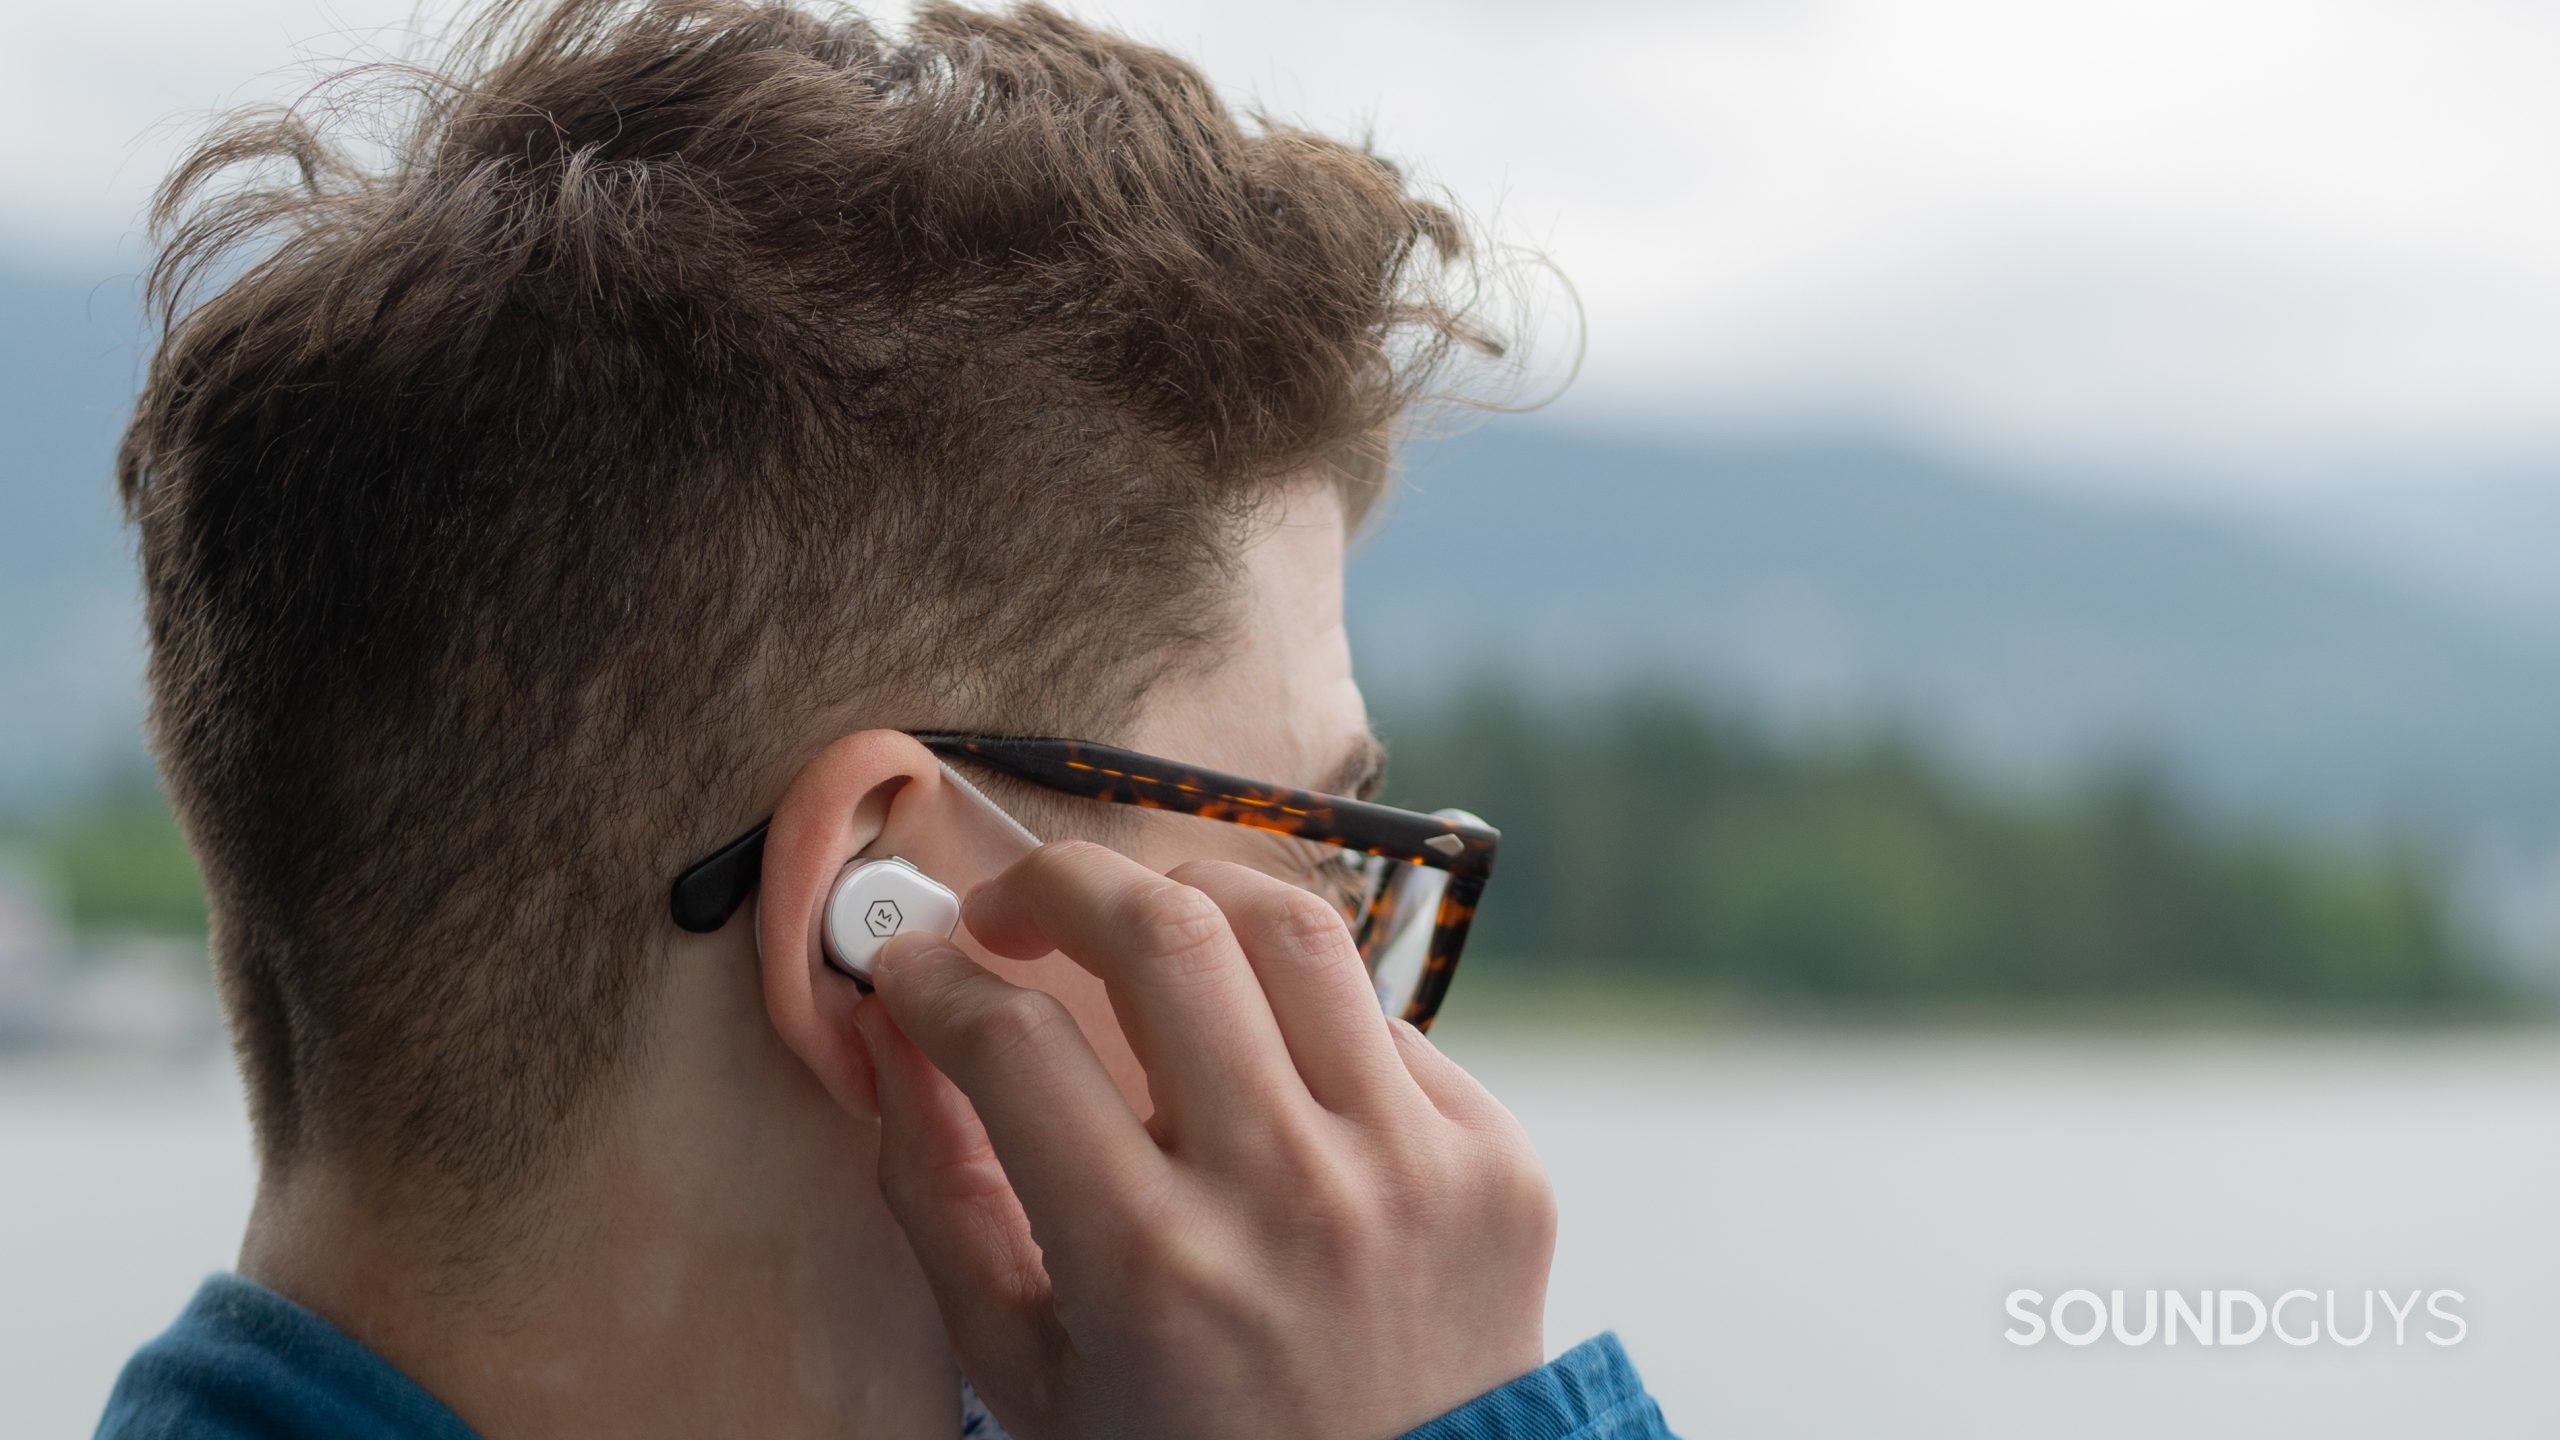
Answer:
x=518 y=495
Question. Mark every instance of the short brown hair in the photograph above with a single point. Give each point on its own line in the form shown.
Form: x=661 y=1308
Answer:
x=683 y=374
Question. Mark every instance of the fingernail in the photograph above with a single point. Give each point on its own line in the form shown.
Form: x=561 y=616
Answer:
x=906 y=950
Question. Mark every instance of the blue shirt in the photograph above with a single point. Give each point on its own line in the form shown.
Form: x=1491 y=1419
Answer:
x=244 y=1363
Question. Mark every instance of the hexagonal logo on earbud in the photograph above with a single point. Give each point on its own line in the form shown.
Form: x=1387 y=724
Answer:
x=883 y=918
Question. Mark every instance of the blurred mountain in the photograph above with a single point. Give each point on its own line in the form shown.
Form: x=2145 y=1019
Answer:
x=2488 y=543
x=2026 y=627
x=70 y=643
x=1819 y=581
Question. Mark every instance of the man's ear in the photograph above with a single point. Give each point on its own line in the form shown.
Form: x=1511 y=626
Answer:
x=865 y=794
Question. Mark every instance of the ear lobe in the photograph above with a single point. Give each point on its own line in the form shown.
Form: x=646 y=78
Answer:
x=836 y=807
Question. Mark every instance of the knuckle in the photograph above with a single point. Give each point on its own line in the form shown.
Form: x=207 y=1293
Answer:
x=1343 y=1203
x=1421 y=1162
x=1336 y=1197
x=1015 y=1024
x=1161 y=1235
x=1301 y=1143
x=1148 y=1208
x=1445 y=1179
x=1301 y=930
x=1178 y=927
x=1521 y=1199
x=1188 y=1277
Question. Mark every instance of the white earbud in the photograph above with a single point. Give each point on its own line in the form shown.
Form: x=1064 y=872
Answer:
x=875 y=899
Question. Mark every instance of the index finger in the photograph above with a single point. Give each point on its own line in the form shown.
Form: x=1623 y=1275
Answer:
x=1167 y=956
x=1066 y=1138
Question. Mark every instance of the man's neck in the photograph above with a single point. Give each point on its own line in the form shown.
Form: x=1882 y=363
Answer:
x=722 y=1264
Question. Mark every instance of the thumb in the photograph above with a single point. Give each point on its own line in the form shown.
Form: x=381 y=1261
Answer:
x=943 y=1185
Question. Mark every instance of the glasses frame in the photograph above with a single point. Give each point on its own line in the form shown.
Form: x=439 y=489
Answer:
x=711 y=890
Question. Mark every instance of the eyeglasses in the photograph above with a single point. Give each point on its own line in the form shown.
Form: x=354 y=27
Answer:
x=1412 y=880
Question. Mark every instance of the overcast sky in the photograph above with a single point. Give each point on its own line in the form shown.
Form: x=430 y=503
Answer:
x=2262 y=241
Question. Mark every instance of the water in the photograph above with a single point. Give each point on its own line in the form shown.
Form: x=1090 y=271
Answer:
x=1799 y=1235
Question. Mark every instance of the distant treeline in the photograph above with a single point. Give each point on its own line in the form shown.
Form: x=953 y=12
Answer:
x=1648 y=837
x=113 y=862
x=1651 y=839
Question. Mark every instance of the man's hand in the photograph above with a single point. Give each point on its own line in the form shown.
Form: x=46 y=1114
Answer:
x=1326 y=1228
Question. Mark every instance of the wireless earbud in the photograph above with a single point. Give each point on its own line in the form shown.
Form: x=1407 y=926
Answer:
x=875 y=899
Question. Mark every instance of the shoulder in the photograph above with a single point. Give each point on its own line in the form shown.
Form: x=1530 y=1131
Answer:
x=242 y=1361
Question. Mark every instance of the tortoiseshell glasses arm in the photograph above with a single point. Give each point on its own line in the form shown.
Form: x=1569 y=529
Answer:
x=1104 y=772
x=708 y=893
x=1126 y=777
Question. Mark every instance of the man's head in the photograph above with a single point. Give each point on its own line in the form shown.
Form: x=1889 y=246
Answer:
x=690 y=385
